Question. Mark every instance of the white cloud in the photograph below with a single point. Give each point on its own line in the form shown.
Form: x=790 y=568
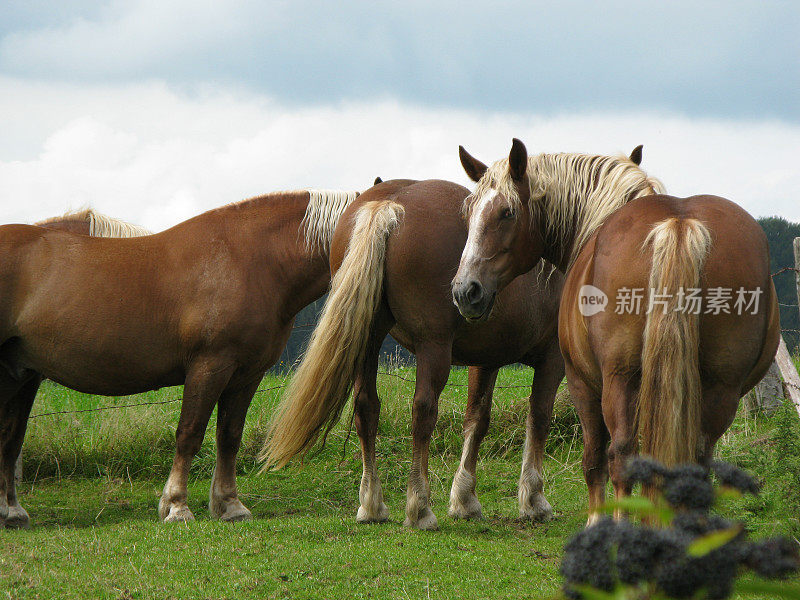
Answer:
x=154 y=156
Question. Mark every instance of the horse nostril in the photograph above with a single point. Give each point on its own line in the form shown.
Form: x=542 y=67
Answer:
x=474 y=292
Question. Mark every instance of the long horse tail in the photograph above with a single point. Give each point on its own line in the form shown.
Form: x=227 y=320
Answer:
x=669 y=407
x=319 y=389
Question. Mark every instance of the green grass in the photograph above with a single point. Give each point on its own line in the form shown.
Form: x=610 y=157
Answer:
x=93 y=481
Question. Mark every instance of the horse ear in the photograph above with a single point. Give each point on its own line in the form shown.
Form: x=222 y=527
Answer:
x=474 y=168
x=517 y=160
x=636 y=155
x=378 y=180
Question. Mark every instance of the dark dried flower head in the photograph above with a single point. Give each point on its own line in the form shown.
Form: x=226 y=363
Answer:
x=689 y=493
x=587 y=557
x=735 y=477
x=637 y=550
x=720 y=567
x=773 y=558
x=641 y=469
x=609 y=553
x=697 y=523
x=675 y=573
x=688 y=471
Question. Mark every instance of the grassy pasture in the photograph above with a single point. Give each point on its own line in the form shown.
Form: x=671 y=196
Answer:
x=93 y=480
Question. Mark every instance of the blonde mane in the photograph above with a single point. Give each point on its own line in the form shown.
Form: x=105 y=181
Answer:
x=322 y=215
x=574 y=193
x=101 y=225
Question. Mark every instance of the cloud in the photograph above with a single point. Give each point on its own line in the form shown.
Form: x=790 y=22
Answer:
x=155 y=156
x=682 y=56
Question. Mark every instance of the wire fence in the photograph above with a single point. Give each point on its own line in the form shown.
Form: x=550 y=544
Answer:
x=384 y=373
x=258 y=391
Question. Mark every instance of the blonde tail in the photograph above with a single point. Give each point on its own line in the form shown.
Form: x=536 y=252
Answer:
x=668 y=411
x=320 y=387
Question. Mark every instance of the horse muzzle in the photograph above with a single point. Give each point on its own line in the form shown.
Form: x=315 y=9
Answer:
x=473 y=300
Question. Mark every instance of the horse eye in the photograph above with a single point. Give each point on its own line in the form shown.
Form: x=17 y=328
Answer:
x=507 y=214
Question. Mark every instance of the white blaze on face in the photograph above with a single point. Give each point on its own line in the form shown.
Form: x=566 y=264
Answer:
x=480 y=213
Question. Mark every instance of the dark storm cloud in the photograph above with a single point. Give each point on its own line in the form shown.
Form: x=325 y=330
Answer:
x=719 y=59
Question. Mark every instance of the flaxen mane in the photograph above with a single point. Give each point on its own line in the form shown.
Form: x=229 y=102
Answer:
x=101 y=225
x=323 y=212
x=576 y=192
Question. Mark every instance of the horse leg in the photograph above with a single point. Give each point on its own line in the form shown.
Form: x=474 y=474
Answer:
x=547 y=376
x=619 y=405
x=718 y=412
x=14 y=418
x=367 y=408
x=223 y=501
x=433 y=368
x=464 y=503
x=595 y=440
x=204 y=384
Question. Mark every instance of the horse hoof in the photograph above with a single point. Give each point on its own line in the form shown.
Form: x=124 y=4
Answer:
x=178 y=514
x=237 y=514
x=539 y=510
x=426 y=521
x=470 y=509
x=17 y=518
x=373 y=516
x=230 y=511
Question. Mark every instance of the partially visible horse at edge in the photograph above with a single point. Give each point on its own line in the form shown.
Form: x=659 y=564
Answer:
x=208 y=304
x=393 y=256
x=662 y=377
x=92 y=223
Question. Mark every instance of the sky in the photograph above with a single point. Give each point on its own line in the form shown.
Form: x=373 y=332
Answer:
x=154 y=111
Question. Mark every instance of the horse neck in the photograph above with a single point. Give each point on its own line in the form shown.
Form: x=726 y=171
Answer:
x=564 y=242
x=558 y=251
x=294 y=271
x=306 y=278
x=578 y=193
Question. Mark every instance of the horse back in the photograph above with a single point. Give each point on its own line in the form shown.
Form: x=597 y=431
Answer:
x=618 y=262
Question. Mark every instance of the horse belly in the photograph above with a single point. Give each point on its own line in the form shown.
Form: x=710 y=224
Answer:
x=99 y=366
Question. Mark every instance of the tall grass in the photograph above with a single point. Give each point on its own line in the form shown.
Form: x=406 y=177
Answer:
x=139 y=441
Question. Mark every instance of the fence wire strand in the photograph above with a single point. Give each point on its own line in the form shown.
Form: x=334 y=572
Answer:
x=258 y=391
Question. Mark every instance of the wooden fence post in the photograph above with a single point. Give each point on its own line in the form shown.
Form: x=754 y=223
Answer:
x=789 y=372
x=797 y=268
x=768 y=395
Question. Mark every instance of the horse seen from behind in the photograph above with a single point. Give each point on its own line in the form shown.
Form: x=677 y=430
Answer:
x=393 y=256
x=683 y=316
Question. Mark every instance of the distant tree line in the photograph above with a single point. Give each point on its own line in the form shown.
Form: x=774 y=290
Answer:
x=780 y=234
x=305 y=322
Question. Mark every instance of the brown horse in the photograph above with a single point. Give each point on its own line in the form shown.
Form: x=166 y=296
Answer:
x=90 y=222
x=394 y=254
x=696 y=319
x=208 y=303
